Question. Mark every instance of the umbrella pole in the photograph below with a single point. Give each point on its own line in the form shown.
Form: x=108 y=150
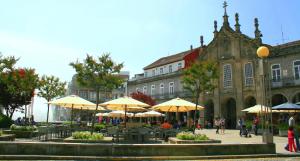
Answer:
x=125 y=115
x=177 y=114
x=72 y=115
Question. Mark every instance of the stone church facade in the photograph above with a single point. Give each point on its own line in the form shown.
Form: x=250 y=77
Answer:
x=239 y=85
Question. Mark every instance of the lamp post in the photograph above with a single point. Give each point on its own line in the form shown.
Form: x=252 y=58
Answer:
x=267 y=136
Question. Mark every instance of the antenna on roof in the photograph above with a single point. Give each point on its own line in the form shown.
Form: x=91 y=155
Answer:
x=282 y=36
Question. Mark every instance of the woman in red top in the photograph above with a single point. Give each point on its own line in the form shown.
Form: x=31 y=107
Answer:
x=291 y=140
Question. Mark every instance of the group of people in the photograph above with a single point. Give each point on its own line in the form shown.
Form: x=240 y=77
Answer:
x=220 y=124
x=25 y=121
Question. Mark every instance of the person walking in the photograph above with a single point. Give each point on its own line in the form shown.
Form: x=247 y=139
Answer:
x=222 y=123
x=255 y=124
x=241 y=123
x=217 y=124
x=291 y=138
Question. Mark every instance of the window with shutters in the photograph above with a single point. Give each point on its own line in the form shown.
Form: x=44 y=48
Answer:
x=248 y=73
x=297 y=69
x=276 y=73
x=170 y=69
x=227 y=76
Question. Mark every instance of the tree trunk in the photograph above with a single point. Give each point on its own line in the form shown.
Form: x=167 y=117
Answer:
x=195 y=113
x=94 y=114
x=48 y=112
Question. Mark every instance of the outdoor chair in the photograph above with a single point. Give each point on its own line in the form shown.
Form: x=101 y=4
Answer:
x=113 y=132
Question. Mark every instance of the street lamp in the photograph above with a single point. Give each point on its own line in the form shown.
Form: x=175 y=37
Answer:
x=267 y=136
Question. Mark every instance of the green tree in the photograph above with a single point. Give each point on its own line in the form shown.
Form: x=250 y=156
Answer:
x=199 y=78
x=50 y=87
x=17 y=88
x=99 y=74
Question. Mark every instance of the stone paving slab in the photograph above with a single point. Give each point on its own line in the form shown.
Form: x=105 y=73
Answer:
x=233 y=137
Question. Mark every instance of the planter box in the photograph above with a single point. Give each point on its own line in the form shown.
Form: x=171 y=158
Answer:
x=71 y=140
x=174 y=140
x=283 y=133
x=21 y=134
x=7 y=137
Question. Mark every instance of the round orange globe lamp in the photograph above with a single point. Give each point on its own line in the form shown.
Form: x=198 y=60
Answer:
x=262 y=52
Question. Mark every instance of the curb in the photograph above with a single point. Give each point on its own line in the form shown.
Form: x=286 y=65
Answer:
x=55 y=157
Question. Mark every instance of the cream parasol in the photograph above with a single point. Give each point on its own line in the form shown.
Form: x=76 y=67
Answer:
x=124 y=104
x=74 y=102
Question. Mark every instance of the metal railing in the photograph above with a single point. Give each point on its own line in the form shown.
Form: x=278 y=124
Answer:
x=284 y=82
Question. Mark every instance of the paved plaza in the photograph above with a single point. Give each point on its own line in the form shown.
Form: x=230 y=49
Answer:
x=233 y=137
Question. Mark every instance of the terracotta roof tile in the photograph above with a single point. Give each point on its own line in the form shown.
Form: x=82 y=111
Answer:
x=168 y=59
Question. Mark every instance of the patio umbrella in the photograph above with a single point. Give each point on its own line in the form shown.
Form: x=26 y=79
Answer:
x=72 y=102
x=260 y=109
x=256 y=109
x=119 y=114
x=102 y=114
x=177 y=105
x=124 y=104
x=286 y=106
x=152 y=114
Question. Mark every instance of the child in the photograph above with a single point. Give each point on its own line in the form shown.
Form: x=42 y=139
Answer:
x=291 y=141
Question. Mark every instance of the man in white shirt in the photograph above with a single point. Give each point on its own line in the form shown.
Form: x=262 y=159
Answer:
x=292 y=121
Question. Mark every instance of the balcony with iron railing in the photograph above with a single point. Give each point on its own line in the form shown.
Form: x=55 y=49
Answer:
x=285 y=82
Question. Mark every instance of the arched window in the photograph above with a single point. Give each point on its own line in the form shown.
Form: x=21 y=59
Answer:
x=171 y=88
x=297 y=69
x=161 y=88
x=227 y=76
x=248 y=73
x=145 y=90
x=152 y=92
x=276 y=74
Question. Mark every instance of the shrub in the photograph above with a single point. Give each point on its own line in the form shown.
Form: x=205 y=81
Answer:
x=14 y=127
x=99 y=127
x=146 y=125
x=5 y=121
x=201 y=137
x=191 y=136
x=86 y=135
x=283 y=126
x=1 y=132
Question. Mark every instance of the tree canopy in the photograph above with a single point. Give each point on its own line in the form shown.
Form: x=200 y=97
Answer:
x=199 y=78
x=143 y=98
x=50 y=87
x=17 y=88
x=100 y=74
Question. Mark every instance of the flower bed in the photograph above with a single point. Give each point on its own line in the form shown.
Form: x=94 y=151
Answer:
x=190 y=138
x=87 y=137
x=22 y=131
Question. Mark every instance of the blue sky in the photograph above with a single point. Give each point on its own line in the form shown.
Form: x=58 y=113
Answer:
x=49 y=34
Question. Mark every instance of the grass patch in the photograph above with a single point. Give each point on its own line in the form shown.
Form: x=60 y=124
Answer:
x=86 y=135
